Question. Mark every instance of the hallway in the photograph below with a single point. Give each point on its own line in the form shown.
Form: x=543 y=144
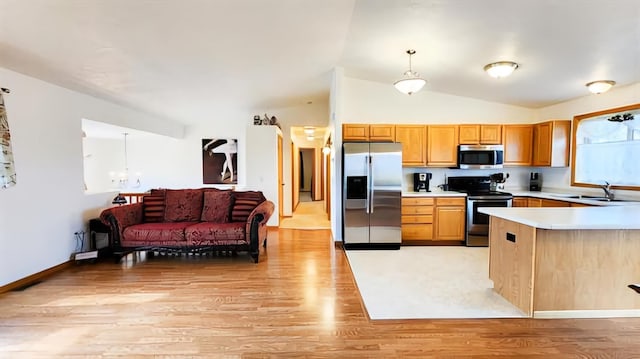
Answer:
x=308 y=215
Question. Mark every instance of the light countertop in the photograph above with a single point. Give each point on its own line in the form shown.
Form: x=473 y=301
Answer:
x=570 y=218
x=436 y=192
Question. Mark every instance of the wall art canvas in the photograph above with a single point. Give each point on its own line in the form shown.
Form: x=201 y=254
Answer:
x=7 y=170
x=219 y=161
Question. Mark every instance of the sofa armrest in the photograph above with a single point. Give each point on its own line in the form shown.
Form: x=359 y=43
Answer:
x=257 y=224
x=121 y=217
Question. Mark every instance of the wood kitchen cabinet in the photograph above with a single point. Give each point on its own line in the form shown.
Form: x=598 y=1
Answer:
x=413 y=139
x=442 y=145
x=490 y=134
x=382 y=133
x=417 y=220
x=450 y=216
x=554 y=203
x=355 y=132
x=551 y=143
x=480 y=134
x=517 y=141
x=368 y=133
x=519 y=202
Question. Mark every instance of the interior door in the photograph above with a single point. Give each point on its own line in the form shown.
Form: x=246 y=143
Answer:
x=280 y=181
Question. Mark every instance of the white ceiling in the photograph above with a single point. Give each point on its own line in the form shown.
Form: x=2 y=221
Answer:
x=191 y=59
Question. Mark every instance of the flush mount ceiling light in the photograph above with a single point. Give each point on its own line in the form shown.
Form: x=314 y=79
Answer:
x=309 y=130
x=412 y=82
x=600 y=86
x=500 y=69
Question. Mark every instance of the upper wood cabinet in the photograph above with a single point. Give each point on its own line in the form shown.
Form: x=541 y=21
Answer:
x=442 y=145
x=517 y=140
x=382 y=133
x=469 y=134
x=364 y=132
x=413 y=139
x=480 y=134
x=490 y=134
x=355 y=132
x=551 y=143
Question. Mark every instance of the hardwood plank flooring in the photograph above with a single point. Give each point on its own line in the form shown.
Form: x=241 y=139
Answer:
x=299 y=301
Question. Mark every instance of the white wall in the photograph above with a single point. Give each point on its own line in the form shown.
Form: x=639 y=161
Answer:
x=374 y=102
x=39 y=215
x=262 y=164
x=315 y=114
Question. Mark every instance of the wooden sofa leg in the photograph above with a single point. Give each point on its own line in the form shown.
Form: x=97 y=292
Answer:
x=255 y=256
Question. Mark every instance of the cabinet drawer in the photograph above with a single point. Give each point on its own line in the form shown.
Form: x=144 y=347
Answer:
x=417 y=219
x=417 y=231
x=417 y=210
x=450 y=201
x=417 y=201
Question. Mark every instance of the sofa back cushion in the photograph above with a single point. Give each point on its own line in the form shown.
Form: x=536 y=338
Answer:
x=153 y=207
x=183 y=205
x=244 y=203
x=216 y=207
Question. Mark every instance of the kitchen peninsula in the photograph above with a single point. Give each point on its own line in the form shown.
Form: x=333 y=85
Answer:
x=566 y=262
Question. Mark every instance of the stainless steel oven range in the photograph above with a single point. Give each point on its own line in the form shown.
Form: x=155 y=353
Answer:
x=479 y=195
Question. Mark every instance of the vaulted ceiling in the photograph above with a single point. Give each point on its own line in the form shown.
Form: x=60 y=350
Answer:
x=189 y=60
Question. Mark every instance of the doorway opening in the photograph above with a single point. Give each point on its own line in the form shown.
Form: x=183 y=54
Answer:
x=308 y=172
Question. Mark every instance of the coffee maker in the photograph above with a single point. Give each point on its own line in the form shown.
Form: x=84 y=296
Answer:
x=421 y=181
x=535 y=181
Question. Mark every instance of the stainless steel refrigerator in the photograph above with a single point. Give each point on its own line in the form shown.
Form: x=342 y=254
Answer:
x=371 y=195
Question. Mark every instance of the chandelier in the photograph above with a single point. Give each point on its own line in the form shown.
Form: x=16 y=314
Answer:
x=411 y=82
x=121 y=179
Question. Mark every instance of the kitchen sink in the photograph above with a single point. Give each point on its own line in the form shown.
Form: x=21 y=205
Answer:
x=601 y=199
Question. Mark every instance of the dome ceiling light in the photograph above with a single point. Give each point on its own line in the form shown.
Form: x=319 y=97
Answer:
x=501 y=68
x=600 y=86
x=412 y=82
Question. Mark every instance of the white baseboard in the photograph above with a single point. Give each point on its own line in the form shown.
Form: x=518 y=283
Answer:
x=606 y=313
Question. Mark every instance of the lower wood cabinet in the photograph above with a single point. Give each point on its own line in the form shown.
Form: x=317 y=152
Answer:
x=450 y=217
x=417 y=219
x=519 y=202
x=427 y=219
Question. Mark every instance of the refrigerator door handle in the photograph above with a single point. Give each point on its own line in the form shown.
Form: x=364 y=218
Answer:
x=368 y=166
x=370 y=184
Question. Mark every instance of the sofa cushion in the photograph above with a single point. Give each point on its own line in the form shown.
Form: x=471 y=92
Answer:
x=207 y=233
x=216 y=206
x=153 y=208
x=156 y=233
x=183 y=205
x=244 y=203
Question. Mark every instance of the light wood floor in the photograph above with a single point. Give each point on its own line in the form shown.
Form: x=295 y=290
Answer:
x=299 y=301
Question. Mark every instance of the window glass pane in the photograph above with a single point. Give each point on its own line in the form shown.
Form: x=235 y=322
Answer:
x=608 y=150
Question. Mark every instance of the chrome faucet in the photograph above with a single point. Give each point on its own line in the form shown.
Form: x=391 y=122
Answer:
x=608 y=193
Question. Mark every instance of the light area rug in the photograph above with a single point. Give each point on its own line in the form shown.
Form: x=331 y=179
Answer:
x=428 y=282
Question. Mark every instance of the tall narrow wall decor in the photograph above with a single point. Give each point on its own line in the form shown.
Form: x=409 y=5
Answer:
x=7 y=169
x=219 y=161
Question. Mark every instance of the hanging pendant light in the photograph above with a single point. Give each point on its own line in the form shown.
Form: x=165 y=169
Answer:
x=121 y=179
x=411 y=82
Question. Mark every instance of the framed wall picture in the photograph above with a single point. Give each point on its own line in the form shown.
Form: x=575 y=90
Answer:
x=219 y=161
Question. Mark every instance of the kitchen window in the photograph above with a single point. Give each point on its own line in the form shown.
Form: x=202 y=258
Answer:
x=606 y=147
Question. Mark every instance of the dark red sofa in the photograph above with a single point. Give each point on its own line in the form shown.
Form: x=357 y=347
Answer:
x=191 y=221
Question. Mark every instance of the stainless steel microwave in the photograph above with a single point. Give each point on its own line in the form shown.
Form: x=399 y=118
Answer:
x=480 y=156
